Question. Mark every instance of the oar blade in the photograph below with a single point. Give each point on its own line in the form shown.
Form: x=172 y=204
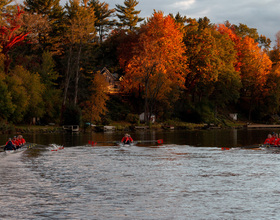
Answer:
x=160 y=141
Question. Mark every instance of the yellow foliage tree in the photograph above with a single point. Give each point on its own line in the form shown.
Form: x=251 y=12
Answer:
x=95 y=106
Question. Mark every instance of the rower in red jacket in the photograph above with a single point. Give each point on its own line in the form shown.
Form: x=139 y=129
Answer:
x=21 y=140
x=16 y=142
x=127 y=139
x=269 y=139
x=9 y=145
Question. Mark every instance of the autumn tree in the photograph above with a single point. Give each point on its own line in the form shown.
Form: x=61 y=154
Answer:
x=226 y=89
x=255 y=67
x=274 y=54
x=49 y=14
x=242 y=30
x=7 y=107
x=103 y=15
x=270 y=104
x=202 y=57
x=127 y=14
x=95 y=107
x=11 y=35
x=157 y=65
x=27 y=97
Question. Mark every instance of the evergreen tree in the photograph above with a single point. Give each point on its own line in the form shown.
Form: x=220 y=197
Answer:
x=102 y=14
x=80 y=32
x=127 y=14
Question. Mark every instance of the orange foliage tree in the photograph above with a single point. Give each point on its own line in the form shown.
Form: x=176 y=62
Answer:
x=157 y=65
x=202 y=57
x=255 y=67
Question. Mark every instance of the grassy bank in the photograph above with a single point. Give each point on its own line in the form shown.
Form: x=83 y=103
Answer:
x=122 y=126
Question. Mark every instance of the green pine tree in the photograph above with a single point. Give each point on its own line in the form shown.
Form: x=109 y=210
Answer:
x=102 y=14
x=127 y=14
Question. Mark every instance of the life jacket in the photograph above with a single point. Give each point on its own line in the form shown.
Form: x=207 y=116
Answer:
x=22 y=141
x=277 y=141
x=267 y=141
x=126 y=140
x=15 y=142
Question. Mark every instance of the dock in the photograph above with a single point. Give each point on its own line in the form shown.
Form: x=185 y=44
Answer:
x=261 y=126
x=71 y=128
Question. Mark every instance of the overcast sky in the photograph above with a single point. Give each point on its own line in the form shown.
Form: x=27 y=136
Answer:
x=264 y=15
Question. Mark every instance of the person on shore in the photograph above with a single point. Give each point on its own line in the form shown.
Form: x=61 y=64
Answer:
x=9 y=145
x=127 y=139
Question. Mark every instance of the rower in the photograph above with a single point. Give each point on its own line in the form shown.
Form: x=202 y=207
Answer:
x=15 y=142
x=268 y=140
x=9 y=145
x=127 y=139
x=21 y=140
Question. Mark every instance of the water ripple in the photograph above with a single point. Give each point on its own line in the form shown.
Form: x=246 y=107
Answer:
x=170 y=182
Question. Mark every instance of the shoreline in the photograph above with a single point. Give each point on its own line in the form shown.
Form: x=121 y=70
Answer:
x=25 y=129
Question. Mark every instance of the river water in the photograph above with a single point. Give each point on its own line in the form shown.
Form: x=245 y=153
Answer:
x=187 y=177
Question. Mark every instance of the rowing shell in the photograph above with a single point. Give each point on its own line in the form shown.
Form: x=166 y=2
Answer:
x=126 y=145
x=256 y=147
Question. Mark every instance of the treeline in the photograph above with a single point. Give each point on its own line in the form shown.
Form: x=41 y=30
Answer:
x=170 y=65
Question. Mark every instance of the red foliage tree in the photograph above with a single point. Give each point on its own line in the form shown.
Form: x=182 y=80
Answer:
x=11 y=35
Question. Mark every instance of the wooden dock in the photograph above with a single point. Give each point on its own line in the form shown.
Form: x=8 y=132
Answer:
x=261 y=126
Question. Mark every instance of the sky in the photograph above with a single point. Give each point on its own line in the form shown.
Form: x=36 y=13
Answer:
x=264 y=15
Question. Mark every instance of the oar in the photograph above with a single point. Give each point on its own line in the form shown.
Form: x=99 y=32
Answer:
x=30 y=145
x=92 y=143
x=159 y=141
x=250 y=147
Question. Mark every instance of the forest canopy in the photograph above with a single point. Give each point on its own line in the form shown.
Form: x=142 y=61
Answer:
x=60 y=64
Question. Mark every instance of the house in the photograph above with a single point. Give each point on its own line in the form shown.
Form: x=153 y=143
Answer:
x=142 y=118
x=112 y=79
x=233 y=116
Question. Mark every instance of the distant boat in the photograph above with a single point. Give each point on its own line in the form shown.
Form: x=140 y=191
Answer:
x=71 y=128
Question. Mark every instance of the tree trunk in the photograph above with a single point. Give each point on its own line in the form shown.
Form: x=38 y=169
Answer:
x=67 y=77
x=77 y=77
x=146 y=112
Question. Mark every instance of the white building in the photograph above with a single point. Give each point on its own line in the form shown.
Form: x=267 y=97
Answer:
x=142 y=117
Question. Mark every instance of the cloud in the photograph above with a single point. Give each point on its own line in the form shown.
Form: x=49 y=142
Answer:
x=183 y=4
x=260 y=14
